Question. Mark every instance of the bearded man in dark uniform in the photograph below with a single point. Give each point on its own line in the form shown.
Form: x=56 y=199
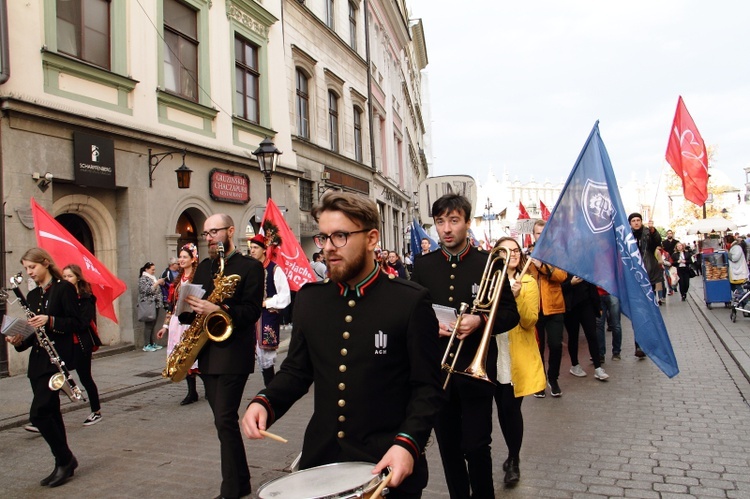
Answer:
x=374 y=358
x=453 y=274
x=225 y=365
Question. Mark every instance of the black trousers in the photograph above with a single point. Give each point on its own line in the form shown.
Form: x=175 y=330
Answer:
x=684 y=273
x=464 y=433
x=83 y=368
x=224 y=394
x=46 y=416
x=510 y=417
x=582 y=316
x=551 y=327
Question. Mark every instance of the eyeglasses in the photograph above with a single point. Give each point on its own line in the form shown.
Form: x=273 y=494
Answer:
x=515 y=251
x=212 y=232
x=338 y=238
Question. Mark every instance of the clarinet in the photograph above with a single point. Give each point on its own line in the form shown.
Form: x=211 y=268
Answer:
x=62 y=380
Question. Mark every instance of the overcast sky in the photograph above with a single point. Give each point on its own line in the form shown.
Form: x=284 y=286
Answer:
x=519 y=85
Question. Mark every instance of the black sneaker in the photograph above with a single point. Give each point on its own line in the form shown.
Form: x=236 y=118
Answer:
x=639 y=353
x=92 y=419
x=554 y=388
x=540 y=394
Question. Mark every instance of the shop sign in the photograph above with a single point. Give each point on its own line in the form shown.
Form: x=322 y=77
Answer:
x=93 y=160
x=228 y=186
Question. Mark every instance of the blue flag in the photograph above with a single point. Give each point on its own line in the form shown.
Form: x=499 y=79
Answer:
x=417 y=234
x=588 y=235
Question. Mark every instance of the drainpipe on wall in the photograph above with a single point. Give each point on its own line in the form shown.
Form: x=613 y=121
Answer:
x=370 y=118
x=4 y=49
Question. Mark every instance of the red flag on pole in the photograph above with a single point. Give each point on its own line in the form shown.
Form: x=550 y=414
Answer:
x=522 y=213
x=65 y=249
x=284 y=248
x=544 y=210
x=686 y=153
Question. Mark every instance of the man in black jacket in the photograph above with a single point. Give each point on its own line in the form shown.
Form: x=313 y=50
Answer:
x=453 y=274
x=367 y=340
x=225 y=365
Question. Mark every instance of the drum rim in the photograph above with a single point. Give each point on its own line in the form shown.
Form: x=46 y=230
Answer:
x=367 y=486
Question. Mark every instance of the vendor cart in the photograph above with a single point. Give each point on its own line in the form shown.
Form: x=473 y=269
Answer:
x=716 y=288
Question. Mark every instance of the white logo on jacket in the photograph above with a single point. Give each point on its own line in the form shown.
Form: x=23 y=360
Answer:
x=381 y=342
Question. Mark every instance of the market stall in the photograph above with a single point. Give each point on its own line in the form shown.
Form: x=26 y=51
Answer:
x=714 y=259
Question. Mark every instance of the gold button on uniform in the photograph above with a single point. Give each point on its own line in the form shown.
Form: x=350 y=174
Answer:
x=342 y=386
x=450 y=298
x=451 y=287
x=348 y=318
x=342 y=403
x=352 y=303
x=453 y=265
x=341 y=434
x=342 y=418
x=344 y=352
x=452 y=276
x=342 y=368
x=346 y=335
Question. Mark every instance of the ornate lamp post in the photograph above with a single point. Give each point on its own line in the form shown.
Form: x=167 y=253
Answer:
x=268 y=156
x=488 y=208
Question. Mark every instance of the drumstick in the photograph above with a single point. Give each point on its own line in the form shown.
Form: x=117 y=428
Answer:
x=272 y=436
x=380 y=488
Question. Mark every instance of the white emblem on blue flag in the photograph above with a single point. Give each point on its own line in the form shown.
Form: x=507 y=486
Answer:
x=598 y=210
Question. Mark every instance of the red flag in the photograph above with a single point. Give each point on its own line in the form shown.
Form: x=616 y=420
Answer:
x=544 y=210
x=686 y=153
x=284 y=248
x=65 y=249
x=522 y=213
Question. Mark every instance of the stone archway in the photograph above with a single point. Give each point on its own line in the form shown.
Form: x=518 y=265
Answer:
x=102 y=227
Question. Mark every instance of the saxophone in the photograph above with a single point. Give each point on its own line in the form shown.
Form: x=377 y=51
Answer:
x=61 y=380
x=216 y=326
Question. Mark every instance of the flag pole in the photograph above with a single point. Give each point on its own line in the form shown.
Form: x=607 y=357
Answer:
x=656 y=194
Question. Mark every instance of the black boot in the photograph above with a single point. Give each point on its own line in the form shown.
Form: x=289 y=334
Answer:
x=45 y=481
x=512 y=472
x=192 y=395
x=268 y=375
x=62 y=473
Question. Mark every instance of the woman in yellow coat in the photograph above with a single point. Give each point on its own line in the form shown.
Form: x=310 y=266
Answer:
x=520 y=370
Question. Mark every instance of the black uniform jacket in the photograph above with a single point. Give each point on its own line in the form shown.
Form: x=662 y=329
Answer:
x=235 y=355
x=373 y=355
x=60 y=302
x=453 y=279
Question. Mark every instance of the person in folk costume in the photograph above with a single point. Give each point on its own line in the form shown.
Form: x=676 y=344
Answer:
x=187 y=262
x=276 y=298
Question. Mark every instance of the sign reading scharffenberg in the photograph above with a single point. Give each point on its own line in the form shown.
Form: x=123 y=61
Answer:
x=93 y=160
x=228 y=186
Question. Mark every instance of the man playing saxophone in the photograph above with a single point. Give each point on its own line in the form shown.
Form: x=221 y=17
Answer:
x=53 y=305
x=225 y=365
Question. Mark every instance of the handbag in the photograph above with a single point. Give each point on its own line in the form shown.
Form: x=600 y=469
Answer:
x=146 y=311
x=693 y=273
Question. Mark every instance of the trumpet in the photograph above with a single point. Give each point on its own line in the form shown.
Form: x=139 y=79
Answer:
x=486 y=301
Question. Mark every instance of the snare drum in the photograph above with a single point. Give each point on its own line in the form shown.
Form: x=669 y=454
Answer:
x=334 y=481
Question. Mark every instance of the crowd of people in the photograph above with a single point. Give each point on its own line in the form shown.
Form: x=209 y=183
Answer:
x=380 y=386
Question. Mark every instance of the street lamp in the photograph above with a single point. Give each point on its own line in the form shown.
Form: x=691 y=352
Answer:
x=267 y=155
x=183 y=172
x=488 y=208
